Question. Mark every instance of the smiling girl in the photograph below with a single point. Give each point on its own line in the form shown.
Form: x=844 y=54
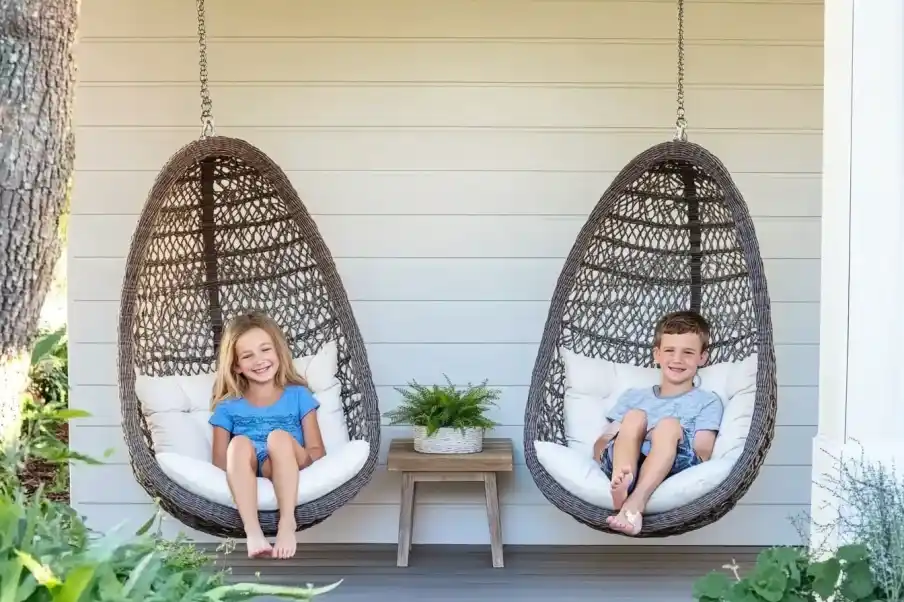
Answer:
x=265 y=425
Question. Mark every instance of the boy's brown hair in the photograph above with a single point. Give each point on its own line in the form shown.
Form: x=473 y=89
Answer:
x=683 y=322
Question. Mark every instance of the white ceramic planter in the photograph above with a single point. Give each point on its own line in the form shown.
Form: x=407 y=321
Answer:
x=448 y=441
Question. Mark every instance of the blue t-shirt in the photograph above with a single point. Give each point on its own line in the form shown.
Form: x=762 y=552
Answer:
x=240 y=417
x=696 y=410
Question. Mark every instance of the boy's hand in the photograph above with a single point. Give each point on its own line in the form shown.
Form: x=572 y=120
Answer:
x=599 y=446
x=704 y=442
x=604 y=439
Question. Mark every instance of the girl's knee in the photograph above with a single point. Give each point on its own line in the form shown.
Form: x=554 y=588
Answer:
x=280 y=441
x=241 y=444
x=240 y=454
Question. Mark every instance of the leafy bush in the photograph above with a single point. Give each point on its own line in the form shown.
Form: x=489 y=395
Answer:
x=790 y=575
x=46 y=553
x=49 y=370
x=869 y=496
x=436 y=407
x=45 y=416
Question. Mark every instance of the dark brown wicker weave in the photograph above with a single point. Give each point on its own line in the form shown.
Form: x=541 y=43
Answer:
x=224 y=231
x=671 y=232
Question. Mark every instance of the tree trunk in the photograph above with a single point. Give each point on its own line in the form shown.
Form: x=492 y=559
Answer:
x=37 y=81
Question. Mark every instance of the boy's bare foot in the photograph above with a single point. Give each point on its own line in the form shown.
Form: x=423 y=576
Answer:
x=627 y=521
x=285 y=540
x=621 y=480
x=258 y=545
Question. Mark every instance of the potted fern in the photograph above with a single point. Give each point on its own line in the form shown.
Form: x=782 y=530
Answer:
x=446 y=419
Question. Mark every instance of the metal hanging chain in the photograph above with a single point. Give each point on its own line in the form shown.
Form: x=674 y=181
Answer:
x=207 y=128
x=681 y=122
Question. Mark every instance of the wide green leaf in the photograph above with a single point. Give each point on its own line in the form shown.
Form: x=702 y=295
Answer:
x=825 y=576
x=852 y=553
x=77 y=581
x=770 y=583
x=713 y=586
x=45 y=345
x=10 y=575
x=858 y=583
x=41 y=572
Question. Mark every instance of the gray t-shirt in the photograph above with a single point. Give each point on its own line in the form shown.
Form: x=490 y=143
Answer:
x=696 y=410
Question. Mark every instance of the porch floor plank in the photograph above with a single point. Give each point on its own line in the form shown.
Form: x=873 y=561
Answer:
x=455 y=573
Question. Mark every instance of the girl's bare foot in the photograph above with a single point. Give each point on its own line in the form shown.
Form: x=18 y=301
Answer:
x=285 y=540
x=258 y=545
x=627 y=521
x=621 y=480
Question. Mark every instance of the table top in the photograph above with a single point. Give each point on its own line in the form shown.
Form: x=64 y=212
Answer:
x=497 y=456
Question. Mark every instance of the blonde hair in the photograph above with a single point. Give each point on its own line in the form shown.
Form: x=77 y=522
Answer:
x=229 y=384
x=683 y=322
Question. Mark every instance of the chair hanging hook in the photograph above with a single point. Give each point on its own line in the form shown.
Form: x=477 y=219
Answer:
x=207 y=125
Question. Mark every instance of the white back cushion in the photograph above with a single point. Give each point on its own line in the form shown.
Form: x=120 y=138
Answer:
x=592 y=386
x=177 y=408
x=320 y=371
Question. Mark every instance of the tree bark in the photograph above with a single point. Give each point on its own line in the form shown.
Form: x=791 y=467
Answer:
x=37 y=82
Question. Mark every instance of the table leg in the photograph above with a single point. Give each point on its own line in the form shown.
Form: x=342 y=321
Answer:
x=406 y=519
x=493 y=519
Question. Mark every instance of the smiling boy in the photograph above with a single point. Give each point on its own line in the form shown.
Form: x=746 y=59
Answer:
x=660 y=430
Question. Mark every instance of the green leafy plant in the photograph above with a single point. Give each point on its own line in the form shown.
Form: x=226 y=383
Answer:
x=49 y=369
x=436 y=407
x=47 y=554
x=868 y=508
x=787 y=574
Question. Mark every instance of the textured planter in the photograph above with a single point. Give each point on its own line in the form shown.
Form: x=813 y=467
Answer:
x=448 y=441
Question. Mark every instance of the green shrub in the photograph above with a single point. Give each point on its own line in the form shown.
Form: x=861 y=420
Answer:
x=869 y=501
x=47 y=553
x=788 y=574
x=49 y=370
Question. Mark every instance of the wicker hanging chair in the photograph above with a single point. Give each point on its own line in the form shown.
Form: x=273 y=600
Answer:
x=223 y=232
x=672 y=232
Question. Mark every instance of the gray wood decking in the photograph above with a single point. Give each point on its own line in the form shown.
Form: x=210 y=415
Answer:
x=454 y=573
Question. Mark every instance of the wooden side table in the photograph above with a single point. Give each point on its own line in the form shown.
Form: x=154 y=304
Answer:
x=417 y=467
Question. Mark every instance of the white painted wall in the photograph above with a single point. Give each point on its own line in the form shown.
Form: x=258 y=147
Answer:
x=863 y=222
x=449 y=151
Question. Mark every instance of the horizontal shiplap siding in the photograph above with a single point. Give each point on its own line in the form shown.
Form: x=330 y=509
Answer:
x=450 y=151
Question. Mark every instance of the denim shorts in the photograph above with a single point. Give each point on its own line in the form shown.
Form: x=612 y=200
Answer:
x=262 y=455
x=684 y=458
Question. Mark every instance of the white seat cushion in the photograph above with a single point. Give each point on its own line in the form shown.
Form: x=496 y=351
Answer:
x=177 y=410
x=592 y=386
x=579 y=474
x=320 y=478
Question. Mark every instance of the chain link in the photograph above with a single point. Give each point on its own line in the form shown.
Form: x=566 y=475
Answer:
x=207 y=128
x=680 y=122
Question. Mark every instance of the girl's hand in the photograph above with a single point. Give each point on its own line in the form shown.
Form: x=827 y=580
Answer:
x=304 y=458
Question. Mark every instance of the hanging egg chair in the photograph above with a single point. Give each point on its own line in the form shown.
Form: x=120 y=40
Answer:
x=223 y=232
x=672 y=232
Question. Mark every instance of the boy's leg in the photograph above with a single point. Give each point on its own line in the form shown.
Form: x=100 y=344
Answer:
x=624 y=455
x=664 y=440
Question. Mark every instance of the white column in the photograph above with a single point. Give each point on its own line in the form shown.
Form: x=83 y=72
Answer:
x=861 y=381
